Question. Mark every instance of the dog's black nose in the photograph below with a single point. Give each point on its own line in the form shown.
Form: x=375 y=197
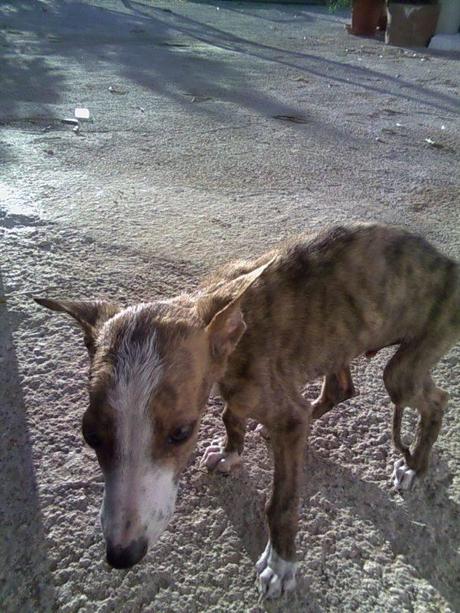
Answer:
x=125 y=557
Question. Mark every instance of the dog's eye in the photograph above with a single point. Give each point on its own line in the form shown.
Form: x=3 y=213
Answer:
x=180 y=435
x=93 y=439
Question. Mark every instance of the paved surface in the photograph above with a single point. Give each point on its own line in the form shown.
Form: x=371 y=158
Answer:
x=192 y=158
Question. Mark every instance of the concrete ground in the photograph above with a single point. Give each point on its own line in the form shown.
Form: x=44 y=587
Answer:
x=217 y=128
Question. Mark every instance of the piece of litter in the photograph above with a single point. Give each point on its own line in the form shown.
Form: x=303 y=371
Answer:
x=434 y=144
x=418 y=523
x=81 y=113
x=379 y=140
x=199 y=98
x=76 y=129
x=293 y=118
x=114 y=90
x=142 y=110
x=70 y=120
x=179 y=45
x=46 y=128
x=443 y=127
x=399 y=125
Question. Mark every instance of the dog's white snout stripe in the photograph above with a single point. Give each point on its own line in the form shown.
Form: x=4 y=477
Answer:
x=140 y=511
x=140 y=494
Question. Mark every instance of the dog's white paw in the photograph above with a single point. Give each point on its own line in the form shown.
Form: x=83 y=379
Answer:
x=276 y=575
x=403 y=476
x=216 y=458
x=263 y=431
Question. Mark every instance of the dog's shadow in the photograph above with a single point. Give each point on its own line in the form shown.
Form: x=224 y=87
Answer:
x=25 y=566
x=423 y=526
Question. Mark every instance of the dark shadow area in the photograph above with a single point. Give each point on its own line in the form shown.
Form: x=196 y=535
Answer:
x=42 y=42
x=237 y=492
x=250 y=525
x=20 y=73
x=25 y=576
x=289 y=13
x=318 y=66
x=23 y=78
x=417 y=529
x=166 y=53
x=6 y=154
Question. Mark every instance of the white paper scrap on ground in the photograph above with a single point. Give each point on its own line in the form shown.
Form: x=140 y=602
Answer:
x=81 y=113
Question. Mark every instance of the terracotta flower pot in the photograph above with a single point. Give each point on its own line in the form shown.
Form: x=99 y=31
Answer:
x=365 y=16
x=411 y=25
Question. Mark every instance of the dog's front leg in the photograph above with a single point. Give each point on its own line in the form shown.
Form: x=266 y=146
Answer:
x=277 y=566
x=224 y=455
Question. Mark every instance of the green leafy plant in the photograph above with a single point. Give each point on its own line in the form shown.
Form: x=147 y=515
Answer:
x=335 y=5
x=413 y=2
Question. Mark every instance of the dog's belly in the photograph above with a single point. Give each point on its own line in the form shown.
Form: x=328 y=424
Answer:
x=334 y=359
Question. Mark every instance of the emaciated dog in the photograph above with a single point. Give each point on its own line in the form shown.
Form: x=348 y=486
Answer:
x=261 y=329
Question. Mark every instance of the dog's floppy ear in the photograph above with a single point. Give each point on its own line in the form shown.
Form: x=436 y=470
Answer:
x=227 y=325
x=89 y=314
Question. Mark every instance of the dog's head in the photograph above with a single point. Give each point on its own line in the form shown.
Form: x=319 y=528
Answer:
x=152 y=369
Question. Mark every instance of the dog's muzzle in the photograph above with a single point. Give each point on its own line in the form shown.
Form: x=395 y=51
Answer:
x=125 y=557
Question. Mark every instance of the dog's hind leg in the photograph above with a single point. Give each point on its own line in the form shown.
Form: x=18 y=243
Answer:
x=225 y=455
x=409 y=385
x=403 y=475
x=337 y=387
x=431 y=406
x=396 y=431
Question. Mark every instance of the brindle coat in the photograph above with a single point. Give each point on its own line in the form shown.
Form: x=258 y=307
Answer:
x=322 y=302
x=264 y=328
